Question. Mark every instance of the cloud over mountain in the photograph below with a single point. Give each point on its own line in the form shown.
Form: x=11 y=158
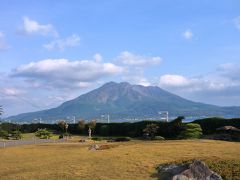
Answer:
x=63 y=73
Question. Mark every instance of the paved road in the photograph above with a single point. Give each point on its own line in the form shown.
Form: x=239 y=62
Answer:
x=10 y=143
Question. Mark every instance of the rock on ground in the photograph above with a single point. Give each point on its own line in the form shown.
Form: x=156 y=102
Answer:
x=94 y=147
x=198 y=170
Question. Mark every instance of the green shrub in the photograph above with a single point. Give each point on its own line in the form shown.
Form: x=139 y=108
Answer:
x=97 y=138
x=159 y=138
x=66 y=134
x=191 y=131
x=16 y=135
x=60 y=136
x=43 y=134
x=209 y=125
x=3 y=134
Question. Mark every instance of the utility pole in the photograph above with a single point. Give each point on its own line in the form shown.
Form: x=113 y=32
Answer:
x=108 y=118
x=103 y=118
x=74 y=120
x=164 y=113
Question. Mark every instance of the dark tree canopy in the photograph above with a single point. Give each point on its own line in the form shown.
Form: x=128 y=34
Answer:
x=81 y=124
x=151 y=130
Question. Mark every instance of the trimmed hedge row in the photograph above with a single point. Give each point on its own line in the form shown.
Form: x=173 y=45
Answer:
x=166 y=129
x=209 y=125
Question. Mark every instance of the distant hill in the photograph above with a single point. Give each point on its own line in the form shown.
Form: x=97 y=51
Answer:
x=123 y=100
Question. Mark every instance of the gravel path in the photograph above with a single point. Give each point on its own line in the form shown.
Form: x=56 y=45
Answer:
x=10 y=143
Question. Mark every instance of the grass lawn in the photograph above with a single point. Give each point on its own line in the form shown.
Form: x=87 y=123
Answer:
x=129 y=160
x=32 y=135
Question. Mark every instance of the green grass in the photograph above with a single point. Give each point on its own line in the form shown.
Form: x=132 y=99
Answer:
x=32 y=135
x=127 y=160
x=28 y=135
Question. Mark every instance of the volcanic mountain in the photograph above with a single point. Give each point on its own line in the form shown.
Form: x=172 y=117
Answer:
x=123 y=100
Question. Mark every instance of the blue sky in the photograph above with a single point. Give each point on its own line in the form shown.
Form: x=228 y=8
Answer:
x=53 y=51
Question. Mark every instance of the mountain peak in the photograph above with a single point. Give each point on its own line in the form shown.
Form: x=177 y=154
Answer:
x=123 y=100
x=112 y=83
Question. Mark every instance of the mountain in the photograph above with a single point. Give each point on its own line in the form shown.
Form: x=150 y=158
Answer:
x=123 y=100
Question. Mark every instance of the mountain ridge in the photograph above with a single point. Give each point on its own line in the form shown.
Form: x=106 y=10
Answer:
x=123 y=100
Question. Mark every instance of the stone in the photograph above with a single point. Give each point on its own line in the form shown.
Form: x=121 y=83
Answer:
x=94 y=147
x=180 y=177
x=197 y=170
x=82 y=140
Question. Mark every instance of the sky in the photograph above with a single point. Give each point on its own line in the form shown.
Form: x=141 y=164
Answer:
x=54 y=51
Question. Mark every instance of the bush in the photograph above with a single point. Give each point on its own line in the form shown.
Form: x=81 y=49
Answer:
x=150 y=131
x=16 y=135
x=191 y=131
x=60 y=136
x=97 y=138
x=66 y=135
x=3 y=134
x=209 y=125
x=43 y=134
x=159 y=138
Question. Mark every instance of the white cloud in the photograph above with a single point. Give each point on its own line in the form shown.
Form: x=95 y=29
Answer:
x=230 y=70
x=135 y=66
x=188 y=34
x=10 y=91
x=136 y=79
x=61 y=44
x=173 y=80
x=97 y=57
x=131 y=59
x=62 y=73
x=225 y=79
x=236 y=22
x=32 y=27
x=195 y=84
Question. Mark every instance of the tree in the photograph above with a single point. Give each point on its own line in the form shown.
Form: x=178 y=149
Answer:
x=81 y=124
x=63 y=125
x=3 y=134
x=151 y=130
x=43 y=134
x=16 y=135
x=176 y=126
x=191 y=131
x=91 y=126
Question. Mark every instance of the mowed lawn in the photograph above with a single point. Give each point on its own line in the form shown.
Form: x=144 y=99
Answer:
x=130 y=160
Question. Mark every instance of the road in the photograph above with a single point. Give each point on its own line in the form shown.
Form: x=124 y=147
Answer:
x=10 y=143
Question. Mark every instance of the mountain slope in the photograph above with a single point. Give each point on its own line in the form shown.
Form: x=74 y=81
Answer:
x=123 y=100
